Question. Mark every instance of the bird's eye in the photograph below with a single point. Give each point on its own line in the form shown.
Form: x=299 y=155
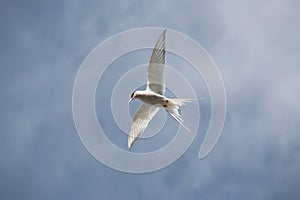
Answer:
x=132 y=94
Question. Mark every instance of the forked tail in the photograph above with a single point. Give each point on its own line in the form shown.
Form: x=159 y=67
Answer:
x=173 y=108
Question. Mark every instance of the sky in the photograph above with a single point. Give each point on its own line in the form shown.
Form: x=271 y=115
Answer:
x=256 y=46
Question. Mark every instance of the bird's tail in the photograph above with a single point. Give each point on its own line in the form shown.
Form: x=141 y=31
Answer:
x=174 y=107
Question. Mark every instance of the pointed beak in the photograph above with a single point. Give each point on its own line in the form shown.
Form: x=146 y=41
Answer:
x=130 y=99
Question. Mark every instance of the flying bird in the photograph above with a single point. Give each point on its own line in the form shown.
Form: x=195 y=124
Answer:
x=153 y=97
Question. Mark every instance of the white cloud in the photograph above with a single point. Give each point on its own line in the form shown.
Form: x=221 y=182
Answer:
x=256 y=46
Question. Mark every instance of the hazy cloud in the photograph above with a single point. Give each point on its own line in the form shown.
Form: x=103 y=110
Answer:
x=254 y=43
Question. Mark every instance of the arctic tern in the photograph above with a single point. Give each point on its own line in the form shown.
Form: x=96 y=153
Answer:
x=153 y=97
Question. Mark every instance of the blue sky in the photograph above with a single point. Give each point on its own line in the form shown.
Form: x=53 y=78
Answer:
x=254 y=43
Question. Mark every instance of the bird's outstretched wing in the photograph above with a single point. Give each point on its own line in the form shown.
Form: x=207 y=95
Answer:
x=156 y=66
x=140 y=122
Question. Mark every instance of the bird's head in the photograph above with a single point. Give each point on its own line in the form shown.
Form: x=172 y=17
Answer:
x=132 y=97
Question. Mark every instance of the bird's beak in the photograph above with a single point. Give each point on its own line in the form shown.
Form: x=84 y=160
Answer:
x=130 y=99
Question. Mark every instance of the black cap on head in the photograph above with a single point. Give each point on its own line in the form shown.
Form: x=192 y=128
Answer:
x=132 y=94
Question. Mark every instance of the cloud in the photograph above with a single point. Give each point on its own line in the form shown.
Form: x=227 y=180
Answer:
x=254 y=43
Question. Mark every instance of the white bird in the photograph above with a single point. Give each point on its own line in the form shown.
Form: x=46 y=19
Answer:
x=153 y=97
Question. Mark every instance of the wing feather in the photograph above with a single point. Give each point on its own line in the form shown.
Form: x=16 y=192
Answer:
x=140 y=122
x=156 y=66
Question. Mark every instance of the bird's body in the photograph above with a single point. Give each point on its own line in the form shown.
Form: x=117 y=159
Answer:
x=153 y=97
